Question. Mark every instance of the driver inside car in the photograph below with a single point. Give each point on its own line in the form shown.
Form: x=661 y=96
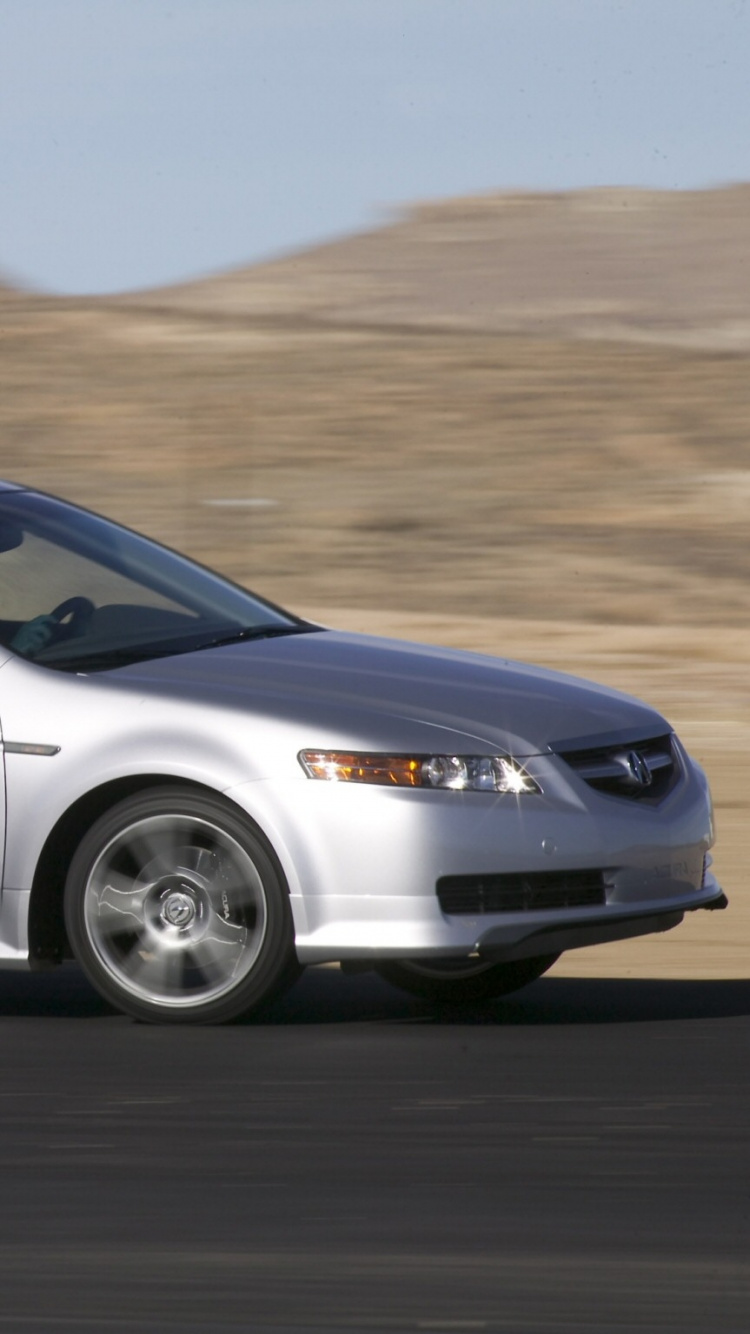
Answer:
x=35 y=635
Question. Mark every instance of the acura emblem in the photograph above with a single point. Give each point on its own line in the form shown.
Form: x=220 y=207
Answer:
x=638 y=769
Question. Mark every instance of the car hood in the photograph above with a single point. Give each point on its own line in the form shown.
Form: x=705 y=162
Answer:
x=383 y=693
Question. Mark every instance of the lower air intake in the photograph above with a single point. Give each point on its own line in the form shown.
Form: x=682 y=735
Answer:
x=519 y=892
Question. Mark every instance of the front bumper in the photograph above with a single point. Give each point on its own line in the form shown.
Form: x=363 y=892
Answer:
x=505 y=943
x=412 y=930
x=362 y=863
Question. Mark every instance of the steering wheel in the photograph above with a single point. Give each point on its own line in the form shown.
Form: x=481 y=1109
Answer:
x=79 y=609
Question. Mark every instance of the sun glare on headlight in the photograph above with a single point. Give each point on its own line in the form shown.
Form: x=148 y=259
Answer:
x=456 y=773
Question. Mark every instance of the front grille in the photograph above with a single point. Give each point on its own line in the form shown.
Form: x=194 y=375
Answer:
x=520 y=892
x=637 y=770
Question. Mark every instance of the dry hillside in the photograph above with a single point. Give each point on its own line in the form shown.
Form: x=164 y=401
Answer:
x=617 y=264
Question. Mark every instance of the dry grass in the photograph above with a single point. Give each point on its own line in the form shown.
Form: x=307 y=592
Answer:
x=426 y=472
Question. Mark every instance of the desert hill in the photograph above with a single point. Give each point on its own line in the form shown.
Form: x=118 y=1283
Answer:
x=10 y=293
x=606 y=263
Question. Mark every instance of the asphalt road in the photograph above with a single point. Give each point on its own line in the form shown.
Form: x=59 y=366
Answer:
x=572 y=1158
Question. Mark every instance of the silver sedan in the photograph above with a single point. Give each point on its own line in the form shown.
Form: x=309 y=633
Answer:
x=204 y=793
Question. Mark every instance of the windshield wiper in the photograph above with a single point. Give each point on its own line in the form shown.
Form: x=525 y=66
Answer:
x=256 y=632
x=104 y=658
x=101 y=659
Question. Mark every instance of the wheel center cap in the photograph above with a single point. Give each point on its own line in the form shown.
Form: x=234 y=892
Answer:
x=179 y=909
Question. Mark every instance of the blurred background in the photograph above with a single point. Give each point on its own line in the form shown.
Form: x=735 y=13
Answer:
x=431 y=319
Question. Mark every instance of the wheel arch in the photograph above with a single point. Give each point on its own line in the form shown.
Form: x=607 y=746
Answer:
x=48 y=942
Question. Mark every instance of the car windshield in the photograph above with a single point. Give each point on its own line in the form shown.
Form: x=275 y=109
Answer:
x=79 y=593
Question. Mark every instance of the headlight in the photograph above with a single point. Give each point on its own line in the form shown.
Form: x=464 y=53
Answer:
x=456 y=773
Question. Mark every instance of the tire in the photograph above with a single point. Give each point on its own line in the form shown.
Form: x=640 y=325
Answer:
x=176 y=911
x=463 y=981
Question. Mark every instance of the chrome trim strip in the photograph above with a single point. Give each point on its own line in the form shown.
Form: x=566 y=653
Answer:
x=28 y=748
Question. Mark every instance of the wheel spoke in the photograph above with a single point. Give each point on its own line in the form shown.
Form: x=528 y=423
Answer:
x=204 y=862
x=214 y=959
x=120 y=905
x=237 y=886
x=223 y=876
x=158 y=971
x=157 y=847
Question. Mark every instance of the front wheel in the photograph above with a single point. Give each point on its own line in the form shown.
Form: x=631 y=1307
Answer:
x=462 y=981
x=177 y=912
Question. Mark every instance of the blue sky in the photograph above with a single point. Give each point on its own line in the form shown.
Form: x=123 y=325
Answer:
x=145 y=141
